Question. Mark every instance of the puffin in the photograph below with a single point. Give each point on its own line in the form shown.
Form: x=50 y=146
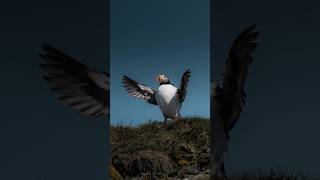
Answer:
x=228 y=99
x=168 y=97
x=78 y=86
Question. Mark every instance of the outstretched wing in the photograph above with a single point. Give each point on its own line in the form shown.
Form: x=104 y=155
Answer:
x=78 y=86
x=138 y=90
x=182 y=91
x=236 y=70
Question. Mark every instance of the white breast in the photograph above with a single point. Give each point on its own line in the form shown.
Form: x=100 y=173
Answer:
x=167 y=100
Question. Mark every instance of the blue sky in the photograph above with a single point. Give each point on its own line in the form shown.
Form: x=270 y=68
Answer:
x=148 y=38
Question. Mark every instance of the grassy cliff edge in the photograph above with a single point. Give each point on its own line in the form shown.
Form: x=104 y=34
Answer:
x=157 y=151
x=176 y=151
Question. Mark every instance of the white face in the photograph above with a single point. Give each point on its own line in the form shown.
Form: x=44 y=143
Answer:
x=162 y=78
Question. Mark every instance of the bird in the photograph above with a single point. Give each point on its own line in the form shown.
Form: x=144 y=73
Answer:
x=78 y=86
x=168 y=97
x=228 y=100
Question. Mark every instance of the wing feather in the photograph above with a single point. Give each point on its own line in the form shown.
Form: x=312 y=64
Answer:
x=236 y=71
x=78 y=86
x=138 y=90
x=182 y=91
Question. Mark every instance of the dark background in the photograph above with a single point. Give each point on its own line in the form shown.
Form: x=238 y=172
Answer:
x=280 y=124
x=41 y=139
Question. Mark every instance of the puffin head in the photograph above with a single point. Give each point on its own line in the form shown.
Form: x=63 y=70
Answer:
x=162 y=79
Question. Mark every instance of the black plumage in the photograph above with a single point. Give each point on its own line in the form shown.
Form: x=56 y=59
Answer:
x=78 y=86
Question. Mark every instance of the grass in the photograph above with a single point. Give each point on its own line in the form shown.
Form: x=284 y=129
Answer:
x=160 y=150
x=153 y=135
x=154 y=151
x=271 y=174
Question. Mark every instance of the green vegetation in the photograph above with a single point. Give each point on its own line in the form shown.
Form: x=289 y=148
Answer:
x=157 y=151
x=178 y=150
x=271 y=174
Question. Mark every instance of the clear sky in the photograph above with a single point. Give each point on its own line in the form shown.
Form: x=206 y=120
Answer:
x=152 y=37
